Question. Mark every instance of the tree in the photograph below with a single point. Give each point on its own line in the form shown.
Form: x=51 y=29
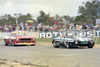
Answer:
x=88 y=12
x=45 y=19
x=58 y=18
x=24 y=18
x=7 y=19
x=68 y=18
x=41 y=18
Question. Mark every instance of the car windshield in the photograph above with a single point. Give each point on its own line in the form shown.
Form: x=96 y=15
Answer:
x=75 y=34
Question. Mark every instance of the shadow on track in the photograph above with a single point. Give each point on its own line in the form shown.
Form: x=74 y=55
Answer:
x=63 y=47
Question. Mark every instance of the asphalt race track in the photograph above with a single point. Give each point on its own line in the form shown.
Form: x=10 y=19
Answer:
x=52 y=57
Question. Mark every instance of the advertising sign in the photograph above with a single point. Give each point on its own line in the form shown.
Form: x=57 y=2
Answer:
x=97 y=21
x=55 y=34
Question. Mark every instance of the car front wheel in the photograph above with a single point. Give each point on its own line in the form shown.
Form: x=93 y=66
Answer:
x=56 y=44
x=33 y=45
x=90 y=46
x=5 y=43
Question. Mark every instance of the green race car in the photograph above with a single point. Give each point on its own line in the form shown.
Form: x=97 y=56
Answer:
x=72 y=40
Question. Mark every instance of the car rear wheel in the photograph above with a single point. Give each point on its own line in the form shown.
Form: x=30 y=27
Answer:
x=55 y=44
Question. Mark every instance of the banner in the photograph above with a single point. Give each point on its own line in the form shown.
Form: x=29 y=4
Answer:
x=55 y=34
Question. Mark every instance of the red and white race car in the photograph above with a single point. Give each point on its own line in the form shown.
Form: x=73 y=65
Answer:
x=19 y=38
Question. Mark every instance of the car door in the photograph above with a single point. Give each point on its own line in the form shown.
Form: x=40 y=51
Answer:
x=66 y=39
x=62 y=40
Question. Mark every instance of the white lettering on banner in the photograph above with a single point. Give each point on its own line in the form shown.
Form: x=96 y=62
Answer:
x=55 y=34
x=42 y=35
x=97 y=33
x=84 y=33
x=89 y=33
x=48 y=35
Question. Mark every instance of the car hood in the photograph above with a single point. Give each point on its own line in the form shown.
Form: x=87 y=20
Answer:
x=68 y=39
x=24 y=37
x=83 y=39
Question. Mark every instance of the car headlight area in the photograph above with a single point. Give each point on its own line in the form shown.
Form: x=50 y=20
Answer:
x=91 y=42
x=76 y=42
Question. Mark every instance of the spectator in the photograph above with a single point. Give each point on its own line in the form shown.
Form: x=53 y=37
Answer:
x=84 y=26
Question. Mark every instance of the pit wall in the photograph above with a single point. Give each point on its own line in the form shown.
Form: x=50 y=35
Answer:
x=34 y=34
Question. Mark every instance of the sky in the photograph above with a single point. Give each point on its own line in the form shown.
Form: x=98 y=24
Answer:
x=60 y=7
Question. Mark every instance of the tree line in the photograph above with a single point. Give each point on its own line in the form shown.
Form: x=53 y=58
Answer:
x=88 y=13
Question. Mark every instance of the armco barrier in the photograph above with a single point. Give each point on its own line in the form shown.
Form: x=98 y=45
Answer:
x=34 y=34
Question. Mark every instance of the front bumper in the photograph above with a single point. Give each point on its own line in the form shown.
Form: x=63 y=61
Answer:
x=25 y=43
x=72 y=44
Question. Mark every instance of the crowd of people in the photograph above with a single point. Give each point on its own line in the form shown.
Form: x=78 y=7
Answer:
x=31 y=27
x=7 y=28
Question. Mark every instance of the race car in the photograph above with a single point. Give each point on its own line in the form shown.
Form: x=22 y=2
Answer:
x=70 y=40
x=19 y=38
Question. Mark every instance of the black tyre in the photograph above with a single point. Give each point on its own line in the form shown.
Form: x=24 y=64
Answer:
x=55 y=44
x=90 y=46
x=33 y=45
x=5 y=43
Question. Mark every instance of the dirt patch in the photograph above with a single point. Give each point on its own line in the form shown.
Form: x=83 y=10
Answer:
x=44 y=43
x=5 y=63
x=97 y=46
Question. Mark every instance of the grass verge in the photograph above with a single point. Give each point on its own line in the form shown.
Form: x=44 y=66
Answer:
x=44 y=41
x=97 y=40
